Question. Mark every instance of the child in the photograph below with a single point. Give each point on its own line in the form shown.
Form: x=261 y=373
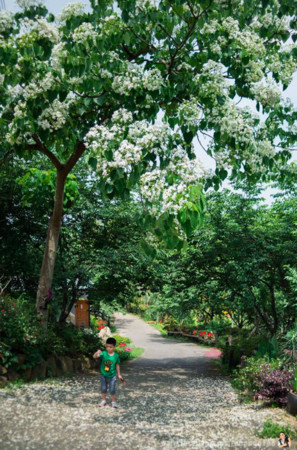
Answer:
x=109 y=369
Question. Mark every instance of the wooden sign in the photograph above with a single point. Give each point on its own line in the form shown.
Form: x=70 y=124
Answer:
x=82 y=314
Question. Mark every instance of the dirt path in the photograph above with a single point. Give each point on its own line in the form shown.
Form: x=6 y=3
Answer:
x=174 y=398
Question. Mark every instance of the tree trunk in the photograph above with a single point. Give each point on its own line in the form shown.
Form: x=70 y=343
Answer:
x=47 y=269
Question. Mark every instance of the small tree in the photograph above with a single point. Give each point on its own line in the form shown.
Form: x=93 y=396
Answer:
x=91 y=85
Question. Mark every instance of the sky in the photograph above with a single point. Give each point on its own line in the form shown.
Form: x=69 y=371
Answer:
x=56 y=6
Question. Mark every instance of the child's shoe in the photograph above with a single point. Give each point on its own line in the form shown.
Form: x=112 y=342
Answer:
x=102 y=403
x=114 y=405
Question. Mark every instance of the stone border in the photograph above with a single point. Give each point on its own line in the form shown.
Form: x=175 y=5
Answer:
x=53 y=366
x=191 y=336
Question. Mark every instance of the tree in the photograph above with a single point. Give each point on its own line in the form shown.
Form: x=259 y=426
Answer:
x=238 y=262
x=91 y=85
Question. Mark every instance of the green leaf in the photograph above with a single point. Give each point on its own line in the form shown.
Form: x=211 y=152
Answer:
x=93 y=162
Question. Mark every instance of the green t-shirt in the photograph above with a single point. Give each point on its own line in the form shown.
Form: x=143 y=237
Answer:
x=108 y=363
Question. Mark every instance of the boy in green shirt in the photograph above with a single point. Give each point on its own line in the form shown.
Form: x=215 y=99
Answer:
x=109 y=370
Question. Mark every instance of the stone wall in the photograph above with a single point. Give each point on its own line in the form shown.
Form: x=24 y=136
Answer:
x=52 y=367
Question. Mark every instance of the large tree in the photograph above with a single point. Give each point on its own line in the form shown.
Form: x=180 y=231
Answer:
x=91 y=84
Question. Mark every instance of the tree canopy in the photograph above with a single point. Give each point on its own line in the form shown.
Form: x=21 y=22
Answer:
x=128 y=86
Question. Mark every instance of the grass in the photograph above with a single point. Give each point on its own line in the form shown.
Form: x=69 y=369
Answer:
x=272 y=430
x=136 y=352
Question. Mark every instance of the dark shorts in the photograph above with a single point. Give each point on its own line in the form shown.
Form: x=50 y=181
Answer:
x=108 y=381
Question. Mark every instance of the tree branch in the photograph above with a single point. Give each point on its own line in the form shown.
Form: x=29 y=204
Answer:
x=80 y=148
x=42 y=148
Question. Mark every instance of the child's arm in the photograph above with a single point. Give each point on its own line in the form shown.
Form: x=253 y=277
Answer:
x=119 y=372
x=97 y=354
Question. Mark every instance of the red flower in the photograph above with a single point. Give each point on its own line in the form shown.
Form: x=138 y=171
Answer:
x=122 y=344
x=194 y=332
x=2 y=310
x=202 y=333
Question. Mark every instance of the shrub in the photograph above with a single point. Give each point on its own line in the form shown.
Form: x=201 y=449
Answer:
x=22 y=333
x=272 y=430
x=121 y=339
x=274 y=385
x=264 y=379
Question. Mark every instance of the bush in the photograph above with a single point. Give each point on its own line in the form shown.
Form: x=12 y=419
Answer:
x=274 y=385
x=264 y=379
x=22 y=333
x=273 y=430
x=121 y=339
x=122 y=348
x=241 y=345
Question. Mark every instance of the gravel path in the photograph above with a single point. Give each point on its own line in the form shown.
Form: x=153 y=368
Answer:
x=174 y=398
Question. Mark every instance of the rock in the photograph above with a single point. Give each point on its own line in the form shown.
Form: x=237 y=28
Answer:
x=3 y=381
x=12 y=374
x=51 y=367
x=69 y=364
x=27 y=373
x=39 y=371
x=3 y=370
x=97 y=363
x=61 y=364
x=21 y=358
x=77 y=365
x=86 y=364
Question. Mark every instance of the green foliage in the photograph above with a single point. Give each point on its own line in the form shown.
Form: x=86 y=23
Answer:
x=22 y=334
x=295 y=380
x=269 y=348
x=247 y=380
x=272 y=430
x=121 y=339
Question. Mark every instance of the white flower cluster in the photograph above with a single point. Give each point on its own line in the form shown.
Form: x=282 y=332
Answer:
x=111 y=25
x=40 y=28
x=133 y=141
x=189 y=112
x=157 y=188
x=145 y=4
x=46 y=30
x=84 y=32
x=122 y=116
x=71 y=10
x=26 y=4
x=284 y=64
x=238 y=123
x=268 y=94
x=211 y=81
x=135 y=78
x=39 y=86
x=6 y=20
x=58 y=53
x=254 y=71
x=152 y=80
x=270 y=20
x=54 y=117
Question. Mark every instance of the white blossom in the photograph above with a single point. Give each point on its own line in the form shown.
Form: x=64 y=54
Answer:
x=55 y=116
x=268 y=94
x=72 y=10
x=84 y=32
x=26 y=4
x=152 y=80
x=189 y=112
x=58 y=53
x=122 y=116
x=6 y=20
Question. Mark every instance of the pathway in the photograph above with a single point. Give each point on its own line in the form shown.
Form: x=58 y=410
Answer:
x=175 y=398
